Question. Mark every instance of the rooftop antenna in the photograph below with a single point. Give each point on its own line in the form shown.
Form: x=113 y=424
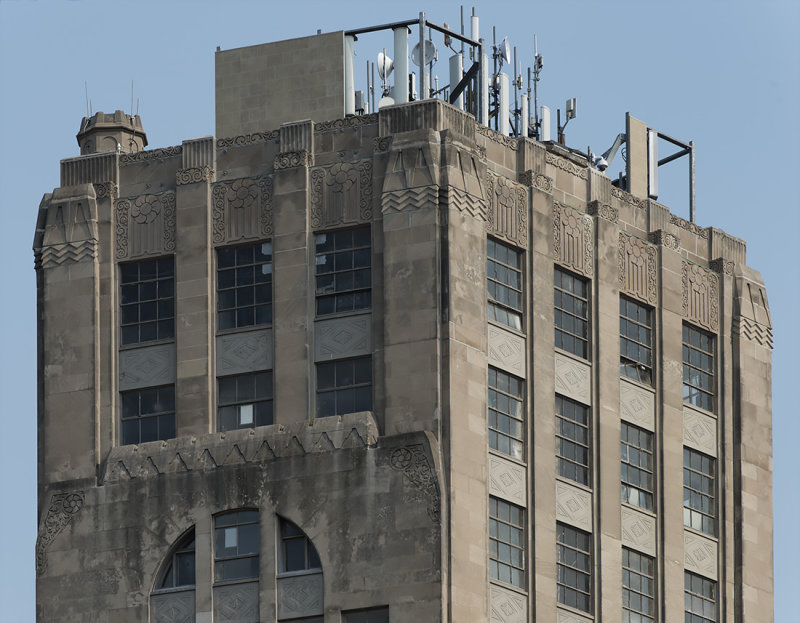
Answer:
x=537 y=68
x=571 y=109
x=86 y=86
x=131 y=108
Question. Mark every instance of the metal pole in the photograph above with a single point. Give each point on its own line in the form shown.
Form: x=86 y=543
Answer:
x=349 y=83
x=691 y=181
x=423 y=81
x=483 y=86
x=401 y=65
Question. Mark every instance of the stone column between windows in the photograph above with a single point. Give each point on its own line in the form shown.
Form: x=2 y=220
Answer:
x=670 y=368
x=203 y=565
x=194 y=412
x=608 y=550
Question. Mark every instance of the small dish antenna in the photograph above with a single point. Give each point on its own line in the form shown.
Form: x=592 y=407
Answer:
x=385 y=66
x=431 y=55
x=504 y=51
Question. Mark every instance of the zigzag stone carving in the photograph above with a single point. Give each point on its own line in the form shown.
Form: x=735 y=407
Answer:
x=573 y=239
x=507 y=480
x=638 y=531
x=241 y=209
x=637 y=405
x=507 y=606
x=573 y=379
x=463 y=202
x=700 y=296
x=410 y=199
x=71 y=252
x=574 y=505
x=700 y=431
x=700 y=554
x=63 y=508
x=507 y=351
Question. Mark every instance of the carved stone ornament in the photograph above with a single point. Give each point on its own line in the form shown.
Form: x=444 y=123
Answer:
x=688 y=226
x=241 y=209
x=538 y=180
x=508 y=209
x=566 y=165
x=628 y=198
x=236 y=602
x=501 y=139
x=353 y=121
x=603 y=210
x=665 y=239
x=173 y=607
x=341 y=193
x=638 y=272
x=506 y=350
x=507 y=480
x=145 y=225
x=722 y=266
x=106 y=189
x=455 y=198
x=700 y=554
x=381 y=143
x=638 y=530
x=417 y=469
x=247 y=139
x=63 y=508
x=152 y=154
x=700 y=431
x=300 y=596
x=68 y=253
x=293 y=159
x=194 y=175
x=753 y=320
x=574 y=505
x=507 y=606
x=573 y=239
x=700 y=296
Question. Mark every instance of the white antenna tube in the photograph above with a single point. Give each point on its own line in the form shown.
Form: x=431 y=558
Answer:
x=349 y=86
x=456 y=72
x=502 y=105
x=484 y=85
x=423 y=79
x=131 y=113
x=525 y=113
x=545 y=123
x=86 y=86
x=401 y=65
x=474 y=25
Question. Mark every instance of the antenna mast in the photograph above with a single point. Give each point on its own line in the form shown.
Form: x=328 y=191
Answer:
x=537 y=67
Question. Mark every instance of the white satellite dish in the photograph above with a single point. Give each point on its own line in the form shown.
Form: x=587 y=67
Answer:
x=430 y=53
x=385 y=66
x=504 y=50
x=385 y=101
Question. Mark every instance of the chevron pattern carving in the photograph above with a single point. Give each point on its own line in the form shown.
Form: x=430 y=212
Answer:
x=71 y=252
x=465 y=202
x=410 y=199
x=507 y=606
x=753 y=331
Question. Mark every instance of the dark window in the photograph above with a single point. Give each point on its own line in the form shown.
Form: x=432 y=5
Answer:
x=244 y=401
x=179 y=570
x=574 y=567
x=635 y=341
x=504 y=280
x=297 y=551
x=506 y=542
x=148 y=414
x=572 y=440
x=636 y=453
x=370 y=615
x=344 y=386
x=147 y=301
x=571 y=295
x=244 y=286
x=699 y=505
x=344 y=271
x=698 y=367
x=236 y=545
x=700 y=599
x=506 y=413
x=638 y=587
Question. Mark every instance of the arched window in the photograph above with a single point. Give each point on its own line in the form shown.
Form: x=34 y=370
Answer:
x=300 y=586
x=178 y=569
x=297 y=552
x=173 y=597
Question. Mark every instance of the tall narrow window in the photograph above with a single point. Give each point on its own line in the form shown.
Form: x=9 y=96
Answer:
x=344 y=386
x=698 y=367
x=571 y=298
x=506 y=413
x=148 y=414
x=506 y=542
x=297 y=551
x=700 y=599
x=572 y=440
x=635 y=340
x=236 y=545
x=636 y=452
x=179 y=568
x=244 y=401
x=147 y=301
x=574 y=567
x=174 y=589
x=244 y=286
x=699 y=503
x=343 y=271
x=638 y=587
x=504 y=281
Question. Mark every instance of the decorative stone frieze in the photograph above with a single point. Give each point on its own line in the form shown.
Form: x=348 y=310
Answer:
x=538 y=180
x=293 y=159
x=105 y=190
x=604 y=211
x=501 y=139
x=688 y=226
x=152 y=154
x=638 y=271
x=566 y=165
x=418 y=470
x=248 y=139
x=354 y=121
x=665 y=239
x=68 y=253
x=145 y=225
x=628 y=198
x=700 y=296
x=63 y=507
x=722 y=266
x=508 y=209
x=413 y=199
x=341 y=194
x=381 y=143
x=454 y=198
x=573 y=244
x=241 y=209
x=194 y=175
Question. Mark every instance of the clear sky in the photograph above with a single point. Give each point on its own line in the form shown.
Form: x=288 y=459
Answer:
x=723 y=74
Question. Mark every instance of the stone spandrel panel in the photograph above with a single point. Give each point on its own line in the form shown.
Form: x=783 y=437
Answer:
x=507 y=480
x=147 y=367
x=338 y=338
x=637 y=405
x=341 y=194
x=573 y=379
x=248 y=351
x=567 y=616
x=507 y=606
x=700 y=296
x=700 y=554
x=573 y=505
x=573 y=239
x=700 y=431
x=508 y=209
x=638 y=531
x=637 y=269
x=241 y=209
x=236 y=603
x=144 y=225
x=173 y=607
x=507 y=351
x=300 y=596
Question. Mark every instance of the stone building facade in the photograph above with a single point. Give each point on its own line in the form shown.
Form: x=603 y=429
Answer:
x=391 y=367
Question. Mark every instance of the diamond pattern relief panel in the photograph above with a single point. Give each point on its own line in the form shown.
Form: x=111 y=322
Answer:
x=507 y=606
x=700 y=554
x=147 y=367
x=565 y=616
x=507 y=351
x=172 y=607
x=248 y=351
x=573 y=379
x=637 y=405
x=300 y=596
x=700 y=431
x=339 y=338
x=507 y=480
x=574 y=506
x=638 y=531
x=236 y=603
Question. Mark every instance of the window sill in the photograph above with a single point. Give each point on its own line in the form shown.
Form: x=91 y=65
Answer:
x=294 y=574
x=248 y=328
x=579 y=612
x=510 y=587
x=647 y=386
x=700 y=409
x=236 y=581
x=710 y=537
x=146 y=344
x=644 y=511
x=347 y=314
x=500 y=325
x=574 y=483
x=570 y=355
x=508 y=457
x=176 y=589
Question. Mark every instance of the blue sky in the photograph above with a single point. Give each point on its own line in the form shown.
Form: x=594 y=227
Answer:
x=723 y=74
